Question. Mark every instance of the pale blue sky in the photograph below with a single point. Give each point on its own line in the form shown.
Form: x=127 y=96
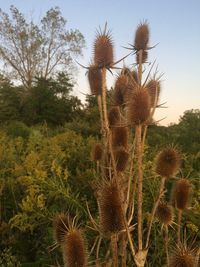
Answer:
x=175 y=25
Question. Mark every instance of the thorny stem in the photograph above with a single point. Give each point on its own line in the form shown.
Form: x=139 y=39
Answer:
x=100 y=111
x=140 y=184
x=123 y=250
x=179 y=226
x=114 y=250
x=161 y=191
x=166 y=241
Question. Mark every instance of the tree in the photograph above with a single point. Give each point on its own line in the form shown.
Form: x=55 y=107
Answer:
x=29 y=50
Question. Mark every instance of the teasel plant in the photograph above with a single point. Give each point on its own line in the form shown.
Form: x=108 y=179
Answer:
x=119 y=159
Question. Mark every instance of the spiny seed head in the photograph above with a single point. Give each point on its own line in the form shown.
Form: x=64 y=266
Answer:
x=167 y=162
x=139 y=107
x=153 y=87
x=95 y=80
x=60 y=225
x=103 y=49
x=110 y=205
x=182 y=193
x=141 y=37
x=74 y=251
x=120 y=89
x=121 y=158
x=144 y=57
x=113 y=116
x=164 y=213
x=182 y=257
x=120 y=136
x=97 y=152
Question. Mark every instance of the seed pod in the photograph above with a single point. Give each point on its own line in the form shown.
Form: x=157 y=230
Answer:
x=182 y=193
x=74 y=251
x=121 y=158
x=164 y=213
x=113 y=116
x=141 y=37
x=103 y=50
x=120 y=136
x=167 y=162
x=153 y=88
x=95 y=80
x=60 y=225
x=120 y=89
x=182 y=257
x=139 y=107
x=97 y=152
x=144 y=57
x=110 y=205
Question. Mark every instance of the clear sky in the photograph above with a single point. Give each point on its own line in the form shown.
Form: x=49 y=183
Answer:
x=175 y=25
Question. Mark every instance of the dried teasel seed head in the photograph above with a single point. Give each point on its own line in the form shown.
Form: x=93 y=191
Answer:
x=121 y=158
x=167 y=162
x=114 y=116
x=182 y=193
x=139 y=107
x=60 y=226
x=110 y=205
x=120 y=89
x=97 y=152
x=144 y=57
x=74 y=250
x=120 y=136
x=103 y=49
x=95 y=80
x=182 y=257
x=153 y=87
x=164 y=213
x=141 y=37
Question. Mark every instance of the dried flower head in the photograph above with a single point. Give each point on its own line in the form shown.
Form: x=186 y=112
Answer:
x=97 y=152
x=60 y=225
x=114 y=116
x=95 y=80
x=141 y=37
x=121 y=158
x=110 y=205
x=164 y=213
x=153 y=87
x=139 y=107
x=167 y=162
x=121 y=87
x=144 y=57
x=120 y=136
x=103 y=49
x=74 y=250
x=182 y=257
x=182 y=193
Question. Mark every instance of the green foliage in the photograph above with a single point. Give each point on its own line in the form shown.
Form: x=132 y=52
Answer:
x=18 y=129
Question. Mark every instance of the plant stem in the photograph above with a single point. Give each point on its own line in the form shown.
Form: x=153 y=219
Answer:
x=179 y=226
x=162 y=186
x=166 y=241
x=114 y=250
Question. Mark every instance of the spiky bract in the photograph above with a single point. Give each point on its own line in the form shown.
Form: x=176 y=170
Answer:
x=74 y=249
x=141 y=37
x=114 y=116
x=167 y=162
x=110 y=204
x=164 y=213
x=103 y=50
x=60 y=225
x=120 y=90
x=120 y=136
x=139 y=107
x=97 y=152
x=95 y=80
x=182 y=193
x=182 y=257
x=121 y=158
x=144 y=57
x=153 y=87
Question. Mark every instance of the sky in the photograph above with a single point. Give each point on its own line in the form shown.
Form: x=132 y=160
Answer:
x=174 y=25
